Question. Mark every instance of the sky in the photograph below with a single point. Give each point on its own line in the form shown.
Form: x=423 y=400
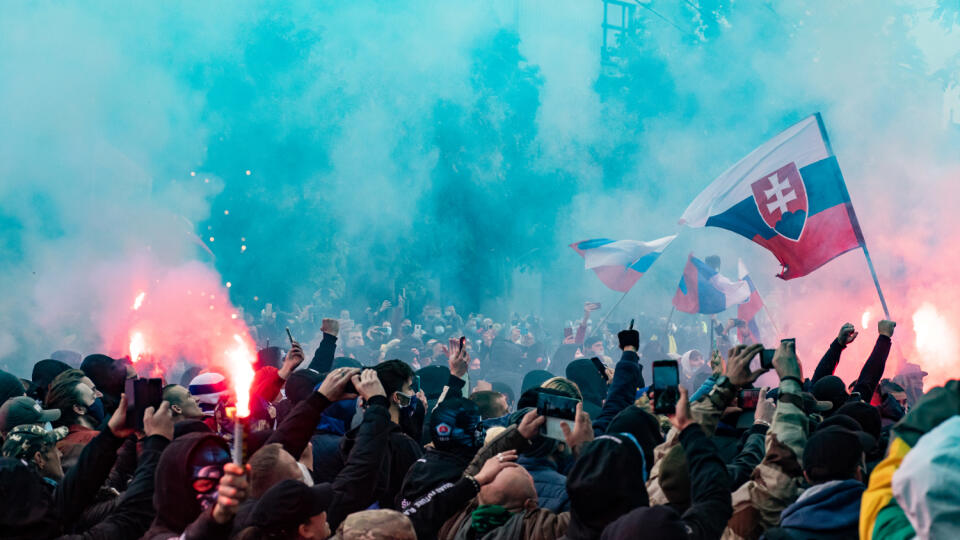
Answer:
x=335 y=153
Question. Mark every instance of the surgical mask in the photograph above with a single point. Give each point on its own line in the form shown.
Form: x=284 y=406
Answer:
x=305 y=474
x=96 y=411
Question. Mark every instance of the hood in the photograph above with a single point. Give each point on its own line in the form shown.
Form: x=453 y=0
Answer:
x=435 y=468
x=606 y=482
x=644 y=427
x=534 y=378
x=661 y=522
x=925 y=485
x=337 y=417
x=826 y=507
x=173 y=497
x=685 y=362
x=588 y=379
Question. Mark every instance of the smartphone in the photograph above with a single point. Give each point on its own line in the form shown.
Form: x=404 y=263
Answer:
x=766 y=358
x=601 y=368
x=747 y=398
x=557 y=410
x=415 y=386
x=142 y=393
x=666 y=379
x=417 y=328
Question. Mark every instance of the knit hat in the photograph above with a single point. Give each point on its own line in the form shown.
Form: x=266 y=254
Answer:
x=534 y=379
x=832 y=453
x=832 y=389
x=208 y=388
x=865 y=414
x=644 y=427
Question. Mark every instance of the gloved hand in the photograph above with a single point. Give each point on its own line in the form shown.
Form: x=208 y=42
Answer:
x=629 y=340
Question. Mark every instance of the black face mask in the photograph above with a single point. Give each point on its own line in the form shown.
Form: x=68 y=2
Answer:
x=207 y=465
x=96 y=411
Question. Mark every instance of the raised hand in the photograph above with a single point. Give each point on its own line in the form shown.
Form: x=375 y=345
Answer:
x=231 y=492
x=334 y=385
x=492 y=467
x=886 y=327
x=293 y=360
x=367 y=384
x=582 y=431
x=738 y=364
x=118 y=421
x=330 y=326
x=785 y=360
x=681 y=418
x=530 y=424
x=848 y=333
x=629 y=340
x=765 y=408
x=159 y=421
x=458 y=358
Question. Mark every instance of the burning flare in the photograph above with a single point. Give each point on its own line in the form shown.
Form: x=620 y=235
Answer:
x=865 y=320
x=138 y=301
x=137 y=346
x=240 y=363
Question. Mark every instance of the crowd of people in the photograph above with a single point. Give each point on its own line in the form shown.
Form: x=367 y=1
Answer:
x=428 y=427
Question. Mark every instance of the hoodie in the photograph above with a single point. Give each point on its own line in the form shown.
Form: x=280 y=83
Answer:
x=174 y=499
x=828 y=510
x=591 y=384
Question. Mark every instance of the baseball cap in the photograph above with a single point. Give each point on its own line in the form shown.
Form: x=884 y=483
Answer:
x=23 y=441
x=23 y=410
x=833 y=452
x=290 y=503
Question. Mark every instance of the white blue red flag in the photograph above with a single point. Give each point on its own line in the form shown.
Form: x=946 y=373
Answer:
x=749 y=311
x=789 y=196
x=704 y=290
x=620 y=263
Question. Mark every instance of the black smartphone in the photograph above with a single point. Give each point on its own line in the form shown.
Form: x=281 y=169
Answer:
x=666 y=380
x=747 y=398
x=142 y=393
x=766 y=358
x=600 y=368
x=415 y=386
x=556 y=409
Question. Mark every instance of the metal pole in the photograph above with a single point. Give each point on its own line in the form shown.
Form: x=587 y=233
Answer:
x=876 y=282
x=604 y=319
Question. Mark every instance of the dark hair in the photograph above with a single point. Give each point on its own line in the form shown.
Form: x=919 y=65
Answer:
x=487 y=402
x=393 y=374
x=292 y=532
x=63 y=395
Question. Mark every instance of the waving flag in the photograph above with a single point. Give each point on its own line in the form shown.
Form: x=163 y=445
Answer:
x=704 y=290
x=620 y=263
x=789 y=196
x=749 y=311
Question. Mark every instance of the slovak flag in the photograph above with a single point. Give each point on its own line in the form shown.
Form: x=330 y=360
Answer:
x=620 y=263
x=704 y=290
x=789 y=196
x=748 y=311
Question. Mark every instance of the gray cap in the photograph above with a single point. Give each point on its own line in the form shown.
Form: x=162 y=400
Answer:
x=23 y=410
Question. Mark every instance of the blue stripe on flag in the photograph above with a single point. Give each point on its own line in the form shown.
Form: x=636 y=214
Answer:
x=643 y=263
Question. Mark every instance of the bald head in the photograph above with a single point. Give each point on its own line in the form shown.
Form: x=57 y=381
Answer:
x=512 y=489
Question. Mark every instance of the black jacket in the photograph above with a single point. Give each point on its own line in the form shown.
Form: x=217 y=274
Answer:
x=400 y=454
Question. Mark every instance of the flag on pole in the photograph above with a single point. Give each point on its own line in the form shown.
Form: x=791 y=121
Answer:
x=704 y=290
x=789 y=196
x=620 y=263
x=749 y=311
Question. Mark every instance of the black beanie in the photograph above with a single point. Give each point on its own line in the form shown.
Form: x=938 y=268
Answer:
x=832 y=389
x=643 y=426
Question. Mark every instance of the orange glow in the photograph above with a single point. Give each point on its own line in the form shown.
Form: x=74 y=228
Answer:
x=137 y=346
x=138 y=301
x=936 y=342
x=240 y=364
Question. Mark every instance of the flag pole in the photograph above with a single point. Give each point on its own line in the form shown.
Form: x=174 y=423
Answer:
x=605 y=317
x=853 y=219
x=666 y=329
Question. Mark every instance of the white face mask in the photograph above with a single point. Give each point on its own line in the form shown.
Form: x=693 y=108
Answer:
x=305 y=472
x=48 y=426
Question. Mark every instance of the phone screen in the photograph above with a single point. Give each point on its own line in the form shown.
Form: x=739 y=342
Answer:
x=142 y=393
x=557 y=410
x=666 y=378
x=748 y=398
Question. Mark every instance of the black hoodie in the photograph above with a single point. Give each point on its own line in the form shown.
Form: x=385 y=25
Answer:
x=175 y=501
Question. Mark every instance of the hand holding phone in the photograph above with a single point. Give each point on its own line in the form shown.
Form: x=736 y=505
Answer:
x=666 y=382
x=557 y=410
x=142 y=393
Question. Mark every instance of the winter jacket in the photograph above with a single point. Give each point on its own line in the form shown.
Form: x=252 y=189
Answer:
x=551 y=484
x=326 y=439
x=435 y=468
x=881 y=514
x=134 y=511
x=627 y=378
x=710 y=499
x=400 y=454
x=536 y=524
x=436 y=506
x=775 y=484
x=829 y=511
x=871 y=372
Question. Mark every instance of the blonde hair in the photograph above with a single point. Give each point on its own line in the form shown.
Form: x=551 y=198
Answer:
x=565 y=385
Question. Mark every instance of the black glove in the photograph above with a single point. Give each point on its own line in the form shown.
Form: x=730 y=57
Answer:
x=629 y=338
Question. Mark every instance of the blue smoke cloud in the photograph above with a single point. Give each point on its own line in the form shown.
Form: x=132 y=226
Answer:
x=336 y=152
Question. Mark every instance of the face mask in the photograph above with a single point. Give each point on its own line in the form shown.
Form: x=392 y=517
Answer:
x=96 y=411
x=207 y=464
x=387 y=330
